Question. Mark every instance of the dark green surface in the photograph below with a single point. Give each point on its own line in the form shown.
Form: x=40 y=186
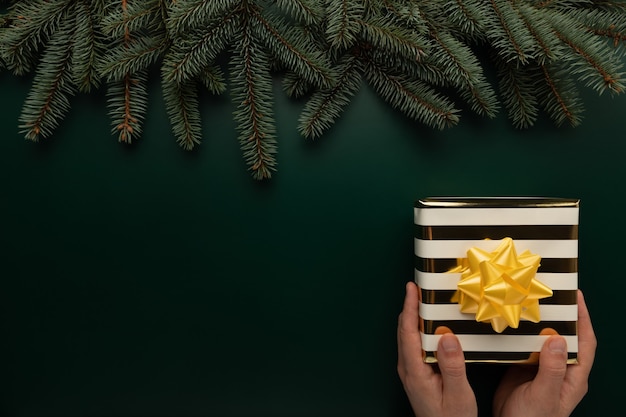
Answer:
x=148 y=281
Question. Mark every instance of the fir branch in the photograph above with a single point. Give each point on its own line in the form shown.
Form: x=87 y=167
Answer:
x=136 y=54
x=127 y=63
x=213 y=79
x=618 y=36
x=408 y=14
x=308 y=12
x=509 y=36
x=192 y=53
x=426 y=70
x=130 y=16
x=413 y=98
x=127 y=103
x=468 y=17
x=252 y=94
x=187 y=15
x=518 y=86
x=295 y=86
x=562 y=4
x=561 y=101
x=325 y=106
x=591 y=61
x=294 y=51
x=121 y=95
x=32 y=23
x=343 y=27
x=608 y=21
x=462 y=70
x=382 y=34
x=181 y=102
x=548 y=47
x=48 y=100
x=87 y=46
x=5 y=22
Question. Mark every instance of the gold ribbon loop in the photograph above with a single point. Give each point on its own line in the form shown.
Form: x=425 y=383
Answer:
x=500 y=286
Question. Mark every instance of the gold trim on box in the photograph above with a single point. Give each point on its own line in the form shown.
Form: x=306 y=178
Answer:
x=496 y=202
x=533 y=358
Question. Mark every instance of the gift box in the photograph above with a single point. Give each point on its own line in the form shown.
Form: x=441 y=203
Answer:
x=500 y=273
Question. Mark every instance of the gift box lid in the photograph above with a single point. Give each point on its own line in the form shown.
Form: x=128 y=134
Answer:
x=495 y=202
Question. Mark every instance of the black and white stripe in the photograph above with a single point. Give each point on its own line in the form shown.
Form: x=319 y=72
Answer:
x=446 y=228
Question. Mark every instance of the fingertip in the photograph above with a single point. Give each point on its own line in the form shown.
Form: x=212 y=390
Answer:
x=410 y=290
x=449 y=343
x=557 y=345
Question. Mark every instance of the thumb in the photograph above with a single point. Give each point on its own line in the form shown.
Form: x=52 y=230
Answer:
x=547 y=384
x=452 y=365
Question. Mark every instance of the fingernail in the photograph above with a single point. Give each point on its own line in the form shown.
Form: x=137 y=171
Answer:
x=450 y=343
x=557 y=345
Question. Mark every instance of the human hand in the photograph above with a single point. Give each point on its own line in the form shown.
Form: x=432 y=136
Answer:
x=553 y=389
x=432 y=394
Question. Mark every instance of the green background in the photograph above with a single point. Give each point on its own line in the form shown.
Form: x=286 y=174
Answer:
x=145 y=280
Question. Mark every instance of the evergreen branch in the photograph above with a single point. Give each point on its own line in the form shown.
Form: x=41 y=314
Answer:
x=619 y=4
x=4 y=23
x=343 y=27
x=131 y=17
x=591 y=61
x=413 y=98
x=127 y=103
x=252 y=94
x=610 y=78
x=469 y=17
x=426 y=70
x=127 y=67
x=130 y=56
x=181 y=102
x=462 y=69
x=561 y=102
x=308 y=12
x=396 y=40
x=547 y=43
x=518 y=86
x=86 y=48
x=618 y=36
x=294 y=51
x=510 y=37
x=408 y=14
x=48 y=100
x=213 y=79
x=192 y=53
x=193 y=14
x=325 y=106
x=458 y=64
x=605 y=21
x=562 y=4
x=295 y=86
x=32 y=24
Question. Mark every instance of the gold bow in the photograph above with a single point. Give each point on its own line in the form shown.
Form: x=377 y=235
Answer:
x=500 y=286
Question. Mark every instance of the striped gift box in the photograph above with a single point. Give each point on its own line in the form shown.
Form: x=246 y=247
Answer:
x=445 y=228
